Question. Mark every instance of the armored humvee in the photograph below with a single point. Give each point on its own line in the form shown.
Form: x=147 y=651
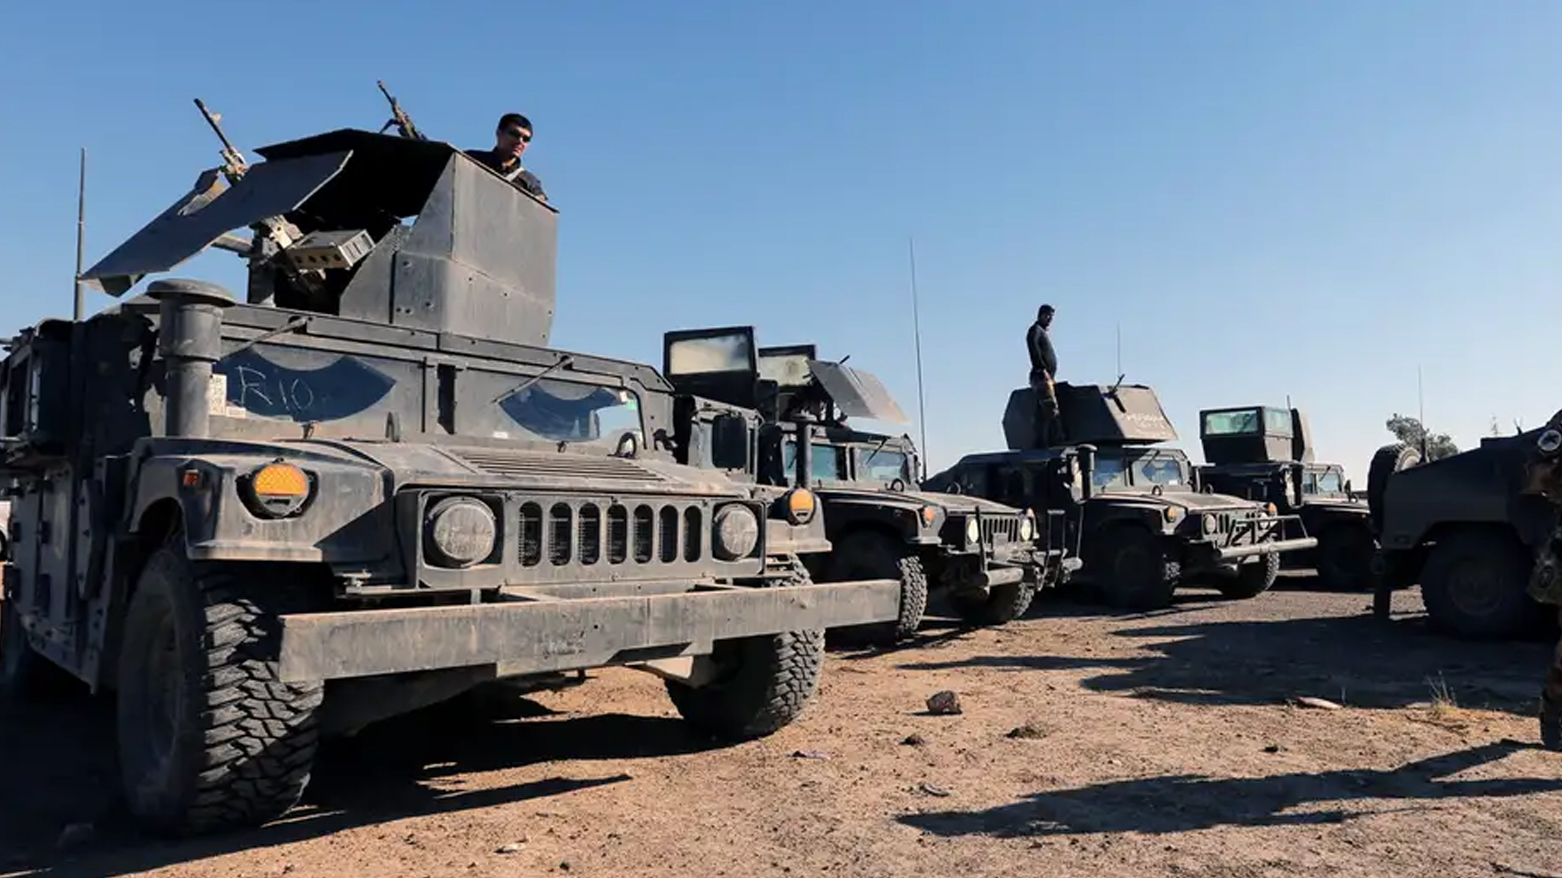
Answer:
x=369 y=486
x=986 y=557
x=1463 y=528
x=1135 y=510
x=1265 y=454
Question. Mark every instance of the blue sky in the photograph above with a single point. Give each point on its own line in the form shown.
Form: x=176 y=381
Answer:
x=1281 y=198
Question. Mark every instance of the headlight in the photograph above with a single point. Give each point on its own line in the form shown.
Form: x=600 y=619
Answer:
x=459 y=531
x=1027 y=528
x=929 y=514
x=973 y=531
x=1549 y=441
x=800 y=505
x=1173 y=513
x=736 y=532
x=1210 y=523
x=1269 y=508
x=276 y=490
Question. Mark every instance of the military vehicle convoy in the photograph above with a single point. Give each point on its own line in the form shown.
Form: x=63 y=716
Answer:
x=370 y=485
x=1133 y=511
x=989 y=559
x=1265 y=454
x=1463 y=528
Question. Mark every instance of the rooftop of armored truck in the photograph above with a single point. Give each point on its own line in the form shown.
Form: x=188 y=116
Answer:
x=1258 y=442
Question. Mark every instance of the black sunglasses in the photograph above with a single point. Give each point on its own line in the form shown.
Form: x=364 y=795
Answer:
x=522 y=133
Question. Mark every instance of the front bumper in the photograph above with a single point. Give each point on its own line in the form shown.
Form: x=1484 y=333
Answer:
x=1255 y=535
x=542 y=632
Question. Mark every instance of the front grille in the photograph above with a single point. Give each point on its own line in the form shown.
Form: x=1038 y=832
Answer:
x=522 y=464
x=1000 y=530
x=591 y=533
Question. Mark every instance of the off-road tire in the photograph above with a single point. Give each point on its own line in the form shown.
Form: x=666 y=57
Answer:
x=1388 y=460
x=1253 y=578
x=1474 y=585
x=873 y=555
x=765 y=682
x=1133 y=568
x=1343 y=558
x=240 y=745
x=998 y=605
x=25 y=676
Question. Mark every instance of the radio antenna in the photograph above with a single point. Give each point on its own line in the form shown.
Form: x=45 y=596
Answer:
x=916 y=334
x=81 y=230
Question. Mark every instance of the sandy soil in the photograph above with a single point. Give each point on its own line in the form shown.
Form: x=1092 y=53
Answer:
x=1162 y=744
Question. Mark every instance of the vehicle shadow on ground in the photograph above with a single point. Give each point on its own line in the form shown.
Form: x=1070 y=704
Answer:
x=1357 y=661
x=60 y=777
x=1183 y=803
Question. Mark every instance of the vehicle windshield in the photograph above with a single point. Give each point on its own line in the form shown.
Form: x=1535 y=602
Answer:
x=566 y=411
x=826 y=462
x=346 y=394
x=884 y=464
x=1325 y=482
x=1109 y=473
x=1159 y=470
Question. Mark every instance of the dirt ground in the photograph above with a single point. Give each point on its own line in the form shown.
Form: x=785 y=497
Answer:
x=1159 y=744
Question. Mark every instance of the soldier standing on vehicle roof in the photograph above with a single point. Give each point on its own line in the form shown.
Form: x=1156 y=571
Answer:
x=1544 y=477
x=511 y=138
x=1043 y=373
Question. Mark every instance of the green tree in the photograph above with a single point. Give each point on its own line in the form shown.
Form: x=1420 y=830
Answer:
x=1411 y=432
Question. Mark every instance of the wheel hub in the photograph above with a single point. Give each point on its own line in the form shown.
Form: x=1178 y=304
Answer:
x=1476 y=589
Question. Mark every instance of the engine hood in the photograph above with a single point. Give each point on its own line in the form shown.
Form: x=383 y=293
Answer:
x=953 y=503
x=526 y=469
x=1192 y=501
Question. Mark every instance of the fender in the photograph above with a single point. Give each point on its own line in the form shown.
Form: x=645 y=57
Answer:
x=347 y=519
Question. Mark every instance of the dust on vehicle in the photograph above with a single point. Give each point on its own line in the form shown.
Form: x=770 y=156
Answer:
x=986 y=558
x=1131 y=508
x=370 y=485
x=1265 y=453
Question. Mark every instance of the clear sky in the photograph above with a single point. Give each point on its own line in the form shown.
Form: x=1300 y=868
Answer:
x=1303 y=198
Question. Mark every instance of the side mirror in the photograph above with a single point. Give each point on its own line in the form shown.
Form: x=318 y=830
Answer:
x=729 y=448
x=1347 y=486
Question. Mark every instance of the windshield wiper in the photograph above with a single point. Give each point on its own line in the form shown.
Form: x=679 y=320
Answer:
x=562 y=361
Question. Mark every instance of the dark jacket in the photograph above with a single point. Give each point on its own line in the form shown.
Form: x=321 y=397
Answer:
x=1042 y=357
x=505 y=166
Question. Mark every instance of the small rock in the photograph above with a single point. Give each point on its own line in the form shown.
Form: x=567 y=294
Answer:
x=75 y=835
x=1272 y=748
x=914 y=740
x=1029 y=731
x=511 y=848
x=810 y=754
x=933 y=790
x=1315 y=703
x=943 y=703
x=564 y=866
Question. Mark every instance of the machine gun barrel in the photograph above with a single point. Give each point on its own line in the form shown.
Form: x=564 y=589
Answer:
x=399 y=117
x=233 y=163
